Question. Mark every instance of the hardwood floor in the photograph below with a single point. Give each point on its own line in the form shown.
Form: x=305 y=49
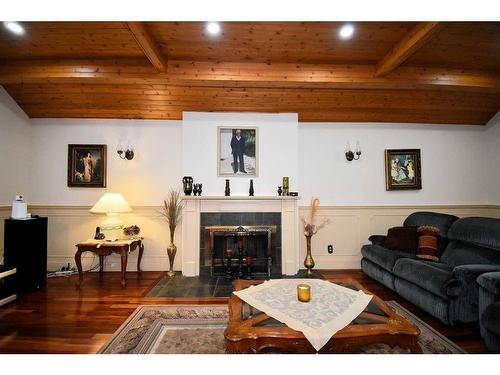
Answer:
x=61 y=319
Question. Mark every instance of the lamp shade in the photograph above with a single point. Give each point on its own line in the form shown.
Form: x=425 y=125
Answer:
x=111 y=203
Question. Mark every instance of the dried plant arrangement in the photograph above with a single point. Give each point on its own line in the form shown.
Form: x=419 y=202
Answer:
x=172 y=210
x=310 y=229
x=309 y=223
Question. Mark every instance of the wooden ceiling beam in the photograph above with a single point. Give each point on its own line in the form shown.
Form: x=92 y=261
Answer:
x=406 y=47
x=327 y=76
x=190 y=73
x=148 y=45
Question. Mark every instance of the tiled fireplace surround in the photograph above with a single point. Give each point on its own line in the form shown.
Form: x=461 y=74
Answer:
x=200 y=212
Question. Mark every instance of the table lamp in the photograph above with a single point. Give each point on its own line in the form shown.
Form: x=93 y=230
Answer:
x=111 y=204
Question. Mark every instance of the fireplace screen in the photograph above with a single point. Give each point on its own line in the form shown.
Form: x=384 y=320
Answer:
x=239 y=251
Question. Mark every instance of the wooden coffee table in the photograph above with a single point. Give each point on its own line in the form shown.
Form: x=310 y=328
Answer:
x=251 y=331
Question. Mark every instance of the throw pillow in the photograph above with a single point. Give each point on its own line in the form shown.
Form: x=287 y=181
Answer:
x=402 y=239
x=427 y=243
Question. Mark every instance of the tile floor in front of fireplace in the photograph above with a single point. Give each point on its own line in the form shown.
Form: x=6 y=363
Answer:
x=198 y=286
x=181 y=286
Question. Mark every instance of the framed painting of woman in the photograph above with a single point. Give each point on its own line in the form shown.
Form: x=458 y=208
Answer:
x=402 y=169
x=87 y=166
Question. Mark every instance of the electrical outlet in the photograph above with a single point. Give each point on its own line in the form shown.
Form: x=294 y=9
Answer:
x=330 y=249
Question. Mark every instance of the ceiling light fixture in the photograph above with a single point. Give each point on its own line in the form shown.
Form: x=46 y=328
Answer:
x=14 y=27
x=346 y=31
x=213 y=28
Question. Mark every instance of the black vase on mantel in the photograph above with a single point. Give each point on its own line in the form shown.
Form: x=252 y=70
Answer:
x=227 y=190
x=251 y=190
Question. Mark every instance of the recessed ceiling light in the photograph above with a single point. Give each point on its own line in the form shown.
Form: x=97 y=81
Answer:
x=14 y=27
x=346 y=31
x=213 y=28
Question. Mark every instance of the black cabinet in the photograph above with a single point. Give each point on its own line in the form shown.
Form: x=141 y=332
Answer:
x=25 y=248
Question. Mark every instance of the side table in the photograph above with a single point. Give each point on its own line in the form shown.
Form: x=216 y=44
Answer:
x=104 y=248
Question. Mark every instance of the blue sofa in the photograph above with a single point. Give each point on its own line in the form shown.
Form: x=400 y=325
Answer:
x=489 y=309
x=446 y=289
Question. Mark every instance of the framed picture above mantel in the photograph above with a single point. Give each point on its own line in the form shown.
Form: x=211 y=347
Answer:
x=237 y=151
x=402 y=169
x=87 y=166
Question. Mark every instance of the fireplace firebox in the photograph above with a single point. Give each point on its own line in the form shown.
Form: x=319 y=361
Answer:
x=239 y=251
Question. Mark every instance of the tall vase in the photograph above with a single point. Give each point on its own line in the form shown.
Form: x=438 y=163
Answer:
x=171 y=251
x=309 y=261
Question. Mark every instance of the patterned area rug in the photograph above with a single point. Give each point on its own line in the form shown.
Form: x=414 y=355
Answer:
x=199 y=329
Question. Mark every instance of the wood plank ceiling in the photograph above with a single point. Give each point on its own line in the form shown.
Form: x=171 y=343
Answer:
x=388 y=72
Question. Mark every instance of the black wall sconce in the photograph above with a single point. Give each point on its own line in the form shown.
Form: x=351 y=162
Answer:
x=125 y=153
x=352 y=155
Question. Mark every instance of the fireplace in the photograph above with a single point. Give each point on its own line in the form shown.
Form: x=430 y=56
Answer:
x=252 y=238
x=240 y=252
x=205 y=211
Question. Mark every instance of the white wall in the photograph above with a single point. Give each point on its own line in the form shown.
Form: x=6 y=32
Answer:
x=15 y=150
x=457 y=161
x=493 y=151
x=453 y=163
x=278 y=150
x=144 y=180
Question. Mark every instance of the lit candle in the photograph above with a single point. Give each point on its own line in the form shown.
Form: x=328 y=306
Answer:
x=304 y=292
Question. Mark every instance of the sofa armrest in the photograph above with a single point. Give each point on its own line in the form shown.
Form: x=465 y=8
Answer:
x=491 y=282
x=377 y=239
x=469 y=273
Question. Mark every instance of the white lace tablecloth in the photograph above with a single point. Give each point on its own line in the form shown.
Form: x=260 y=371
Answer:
x=331 y=308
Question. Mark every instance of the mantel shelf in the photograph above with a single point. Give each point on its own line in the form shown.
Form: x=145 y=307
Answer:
x=240 y=198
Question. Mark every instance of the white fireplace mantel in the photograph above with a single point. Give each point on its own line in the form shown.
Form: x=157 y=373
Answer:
x=195 y=205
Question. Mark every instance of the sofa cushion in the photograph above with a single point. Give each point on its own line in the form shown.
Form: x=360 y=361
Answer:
x=377 y=239
x=459 y=253
x=441 y=221
x=435 y=219
x=436 y=280
x=491 y=318
x=491 y=282
x=427 y=243
x=382 y=256
x=479 y=231
x=439 y=265
x=402 y=239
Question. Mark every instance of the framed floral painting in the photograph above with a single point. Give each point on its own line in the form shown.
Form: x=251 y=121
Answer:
x=402 y=169
x=87 y=166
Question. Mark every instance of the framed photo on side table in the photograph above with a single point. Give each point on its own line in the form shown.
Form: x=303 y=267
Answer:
x=237 y=151
x=87 y=166
x=402 y=169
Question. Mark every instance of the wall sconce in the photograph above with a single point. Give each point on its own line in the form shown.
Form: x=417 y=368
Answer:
x=349 y=154
x=125 y=153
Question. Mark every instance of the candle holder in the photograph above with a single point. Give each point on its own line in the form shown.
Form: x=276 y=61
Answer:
x=285 y=186
x=248 y=262
x=240 y=258
x=303 y=292
x=229 y=272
